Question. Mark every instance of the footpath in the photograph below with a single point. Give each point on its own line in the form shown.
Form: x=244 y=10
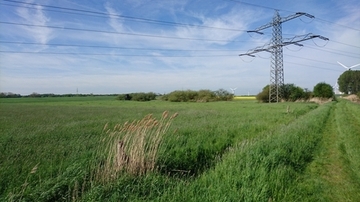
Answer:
x=337 y=164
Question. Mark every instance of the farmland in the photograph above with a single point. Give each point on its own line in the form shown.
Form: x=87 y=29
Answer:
x=218 y=151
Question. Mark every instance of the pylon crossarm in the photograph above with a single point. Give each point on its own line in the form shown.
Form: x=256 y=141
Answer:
x=255 y=32
x=257 y=49
x=296 y=15
x=303 y=38
x=284 y=19
x=269 y=47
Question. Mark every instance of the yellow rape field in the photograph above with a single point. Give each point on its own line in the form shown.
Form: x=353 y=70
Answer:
x=244 y=98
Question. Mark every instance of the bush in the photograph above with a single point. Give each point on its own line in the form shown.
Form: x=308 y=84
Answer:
x=137 y=96
x=9 y=95
x=223 y=95
x=263 y=96
x=198 y=96
x=206 y=96
x=323 y=90
x=181 y=96
x=291 y=92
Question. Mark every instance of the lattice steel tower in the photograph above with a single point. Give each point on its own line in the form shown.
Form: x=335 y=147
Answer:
x=276 y=49
x=277 y=65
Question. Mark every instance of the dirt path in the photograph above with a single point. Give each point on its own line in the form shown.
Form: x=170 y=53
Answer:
x=335 y=169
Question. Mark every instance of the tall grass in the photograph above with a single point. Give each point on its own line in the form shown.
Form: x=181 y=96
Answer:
x=267 y=169
x=133 y=147
x=62 y=135
x=348 y=134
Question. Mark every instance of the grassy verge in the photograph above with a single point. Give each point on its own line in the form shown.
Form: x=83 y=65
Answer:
x=268 y=169
x=46 y=145
x=348 y=153
x=335 y=171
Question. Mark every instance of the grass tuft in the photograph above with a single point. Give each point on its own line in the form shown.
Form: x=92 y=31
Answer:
x=132 y=147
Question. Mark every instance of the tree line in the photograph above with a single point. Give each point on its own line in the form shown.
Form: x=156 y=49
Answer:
x=292 y=93
x=181 y=96
x=38 y=95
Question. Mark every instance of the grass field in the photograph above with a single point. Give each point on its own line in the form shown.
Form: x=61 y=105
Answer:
x=50 y=150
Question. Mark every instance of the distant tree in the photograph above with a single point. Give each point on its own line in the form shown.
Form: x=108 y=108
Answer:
x=179 y=96
x=307 y=94
x=223 y=95
x=349 y=82
x=291 y=92
x=323 y=90
x=9 y=95
x=206 y=96
x=137 y=96
x=263 y=96
x=34 y=94
x=198 y=96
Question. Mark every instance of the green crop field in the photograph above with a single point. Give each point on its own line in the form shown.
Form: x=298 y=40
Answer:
x=52 y=149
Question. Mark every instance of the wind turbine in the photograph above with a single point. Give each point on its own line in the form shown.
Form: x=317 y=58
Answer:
x=233 y=90
x=349 y=68
x=336 y=88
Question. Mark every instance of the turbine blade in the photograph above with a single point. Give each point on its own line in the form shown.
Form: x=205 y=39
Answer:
x=354 y=66
x=343 y=65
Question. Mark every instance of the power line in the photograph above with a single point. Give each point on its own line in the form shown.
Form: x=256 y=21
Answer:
x=113 y=47
x=151 y=20
x=345 y=44
x=310 y=59
x=333 y=51
x=319 y=19
x=146 y=35
x=112 y=54
x=259 y=6
x=112 y=32
x=272 y=8
x=141 y=55
x=294 y=63
x=344 y=53
x=103 y=14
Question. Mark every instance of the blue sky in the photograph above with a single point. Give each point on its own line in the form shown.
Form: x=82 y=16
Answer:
x=103 y=47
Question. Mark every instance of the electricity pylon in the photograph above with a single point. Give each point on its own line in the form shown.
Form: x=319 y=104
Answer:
x=276 y=49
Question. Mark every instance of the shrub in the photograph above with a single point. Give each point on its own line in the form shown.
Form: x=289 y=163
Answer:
x=206 y=96
x=291 y=92
x=138 y=96
x=223 y=95
x=9 y=95
x=181 y=96
x=323 y=90
x=263 y=96
x=198 y=96
x=296 y=93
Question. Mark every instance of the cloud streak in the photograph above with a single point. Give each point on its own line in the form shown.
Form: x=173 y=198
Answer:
x=36 y=16
x=190 y=64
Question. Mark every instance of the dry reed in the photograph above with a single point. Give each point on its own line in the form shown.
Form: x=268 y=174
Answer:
x=133 y=146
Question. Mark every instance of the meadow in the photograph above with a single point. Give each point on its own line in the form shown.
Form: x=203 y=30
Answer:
x=241 y=150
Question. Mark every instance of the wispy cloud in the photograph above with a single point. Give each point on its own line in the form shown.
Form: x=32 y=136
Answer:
x=115 y=22
x=160 y=70
x=36 y=16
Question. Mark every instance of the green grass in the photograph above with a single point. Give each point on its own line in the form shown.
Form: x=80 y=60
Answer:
x=221 y=151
